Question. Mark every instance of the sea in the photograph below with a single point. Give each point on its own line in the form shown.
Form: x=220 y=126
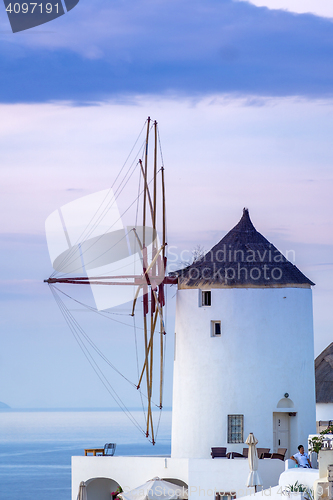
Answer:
x=36 y=446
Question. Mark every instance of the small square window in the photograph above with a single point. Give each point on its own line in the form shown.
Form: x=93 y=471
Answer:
x=206 y=298
x=216 y=329
x=235 y=428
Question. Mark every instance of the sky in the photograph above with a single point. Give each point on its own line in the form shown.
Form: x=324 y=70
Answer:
x=243 y=94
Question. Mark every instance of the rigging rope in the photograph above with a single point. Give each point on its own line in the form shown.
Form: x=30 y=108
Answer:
x=134 y=324
x=55 y=289
x=105 y=210
x=160 y=146
x=164 y=358
x=73 y=325
x=96 y=310
x=138 y=369
x=166 y=297
x=79 y=328
x=107 y=230
x=71 y=252
x=80 y=336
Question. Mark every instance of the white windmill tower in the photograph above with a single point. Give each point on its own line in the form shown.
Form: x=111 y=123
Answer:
x=243 y=349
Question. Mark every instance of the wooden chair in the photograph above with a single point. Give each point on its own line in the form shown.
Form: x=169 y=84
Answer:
x=245 y=452
x=219 y=452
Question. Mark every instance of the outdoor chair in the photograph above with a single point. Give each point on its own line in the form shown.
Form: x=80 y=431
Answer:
x=219 y=453
x=234 y=454
x=282 y=451
x=262 y=451
x=278 y=456
x=109 y=449
x=245 y=452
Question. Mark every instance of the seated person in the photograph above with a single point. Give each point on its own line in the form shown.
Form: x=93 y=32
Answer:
x=301 y=458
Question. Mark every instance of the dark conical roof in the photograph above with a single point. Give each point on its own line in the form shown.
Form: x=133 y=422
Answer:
x=324 y=376
x=243 y=258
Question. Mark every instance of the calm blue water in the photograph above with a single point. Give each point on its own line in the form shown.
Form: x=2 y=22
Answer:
x=36 y=447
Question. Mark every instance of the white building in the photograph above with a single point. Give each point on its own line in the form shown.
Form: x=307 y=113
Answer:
x=243 y=363
x=244 y=349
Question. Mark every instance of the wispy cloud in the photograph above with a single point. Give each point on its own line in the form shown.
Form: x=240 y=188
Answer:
x=180 y=46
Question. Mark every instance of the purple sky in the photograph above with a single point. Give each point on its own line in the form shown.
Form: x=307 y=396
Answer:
x=242 y=95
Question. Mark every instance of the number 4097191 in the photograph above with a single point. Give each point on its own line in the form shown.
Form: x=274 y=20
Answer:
x=27 y=8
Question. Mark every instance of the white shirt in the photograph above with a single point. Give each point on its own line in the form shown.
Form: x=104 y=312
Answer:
x=302 y=460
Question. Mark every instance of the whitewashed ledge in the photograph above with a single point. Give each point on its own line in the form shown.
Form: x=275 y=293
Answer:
x=303 y=476
x=307 y=477
x=204 y=477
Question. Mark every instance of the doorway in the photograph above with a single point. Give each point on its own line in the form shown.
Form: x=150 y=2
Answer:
x=281 y=431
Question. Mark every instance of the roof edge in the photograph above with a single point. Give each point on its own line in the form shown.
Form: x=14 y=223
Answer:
x=323 y=354
x=208 y=286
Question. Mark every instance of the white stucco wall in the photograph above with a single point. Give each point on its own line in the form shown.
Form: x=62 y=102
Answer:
x=308 y=477
x=303 y=476
x=128 y=472
x=223 y=475
x=265 y=350
x=203 y=476
x=324 y=411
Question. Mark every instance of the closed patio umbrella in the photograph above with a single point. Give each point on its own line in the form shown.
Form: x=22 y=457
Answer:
x=156 y=489
x=254 y=479
x=82 y=495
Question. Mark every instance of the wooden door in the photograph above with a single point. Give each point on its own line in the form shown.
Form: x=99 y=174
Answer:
x=281 y=431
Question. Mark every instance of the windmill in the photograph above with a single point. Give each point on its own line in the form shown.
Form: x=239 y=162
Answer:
x=93 y=256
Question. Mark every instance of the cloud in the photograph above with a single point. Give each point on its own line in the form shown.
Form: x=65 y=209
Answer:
x=317 y=7
x=168 y=46
x=261 y=156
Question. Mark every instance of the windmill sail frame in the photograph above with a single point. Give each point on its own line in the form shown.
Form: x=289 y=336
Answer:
x=150 y=283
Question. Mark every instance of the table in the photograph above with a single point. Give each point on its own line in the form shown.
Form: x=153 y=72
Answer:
x=93 y=451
